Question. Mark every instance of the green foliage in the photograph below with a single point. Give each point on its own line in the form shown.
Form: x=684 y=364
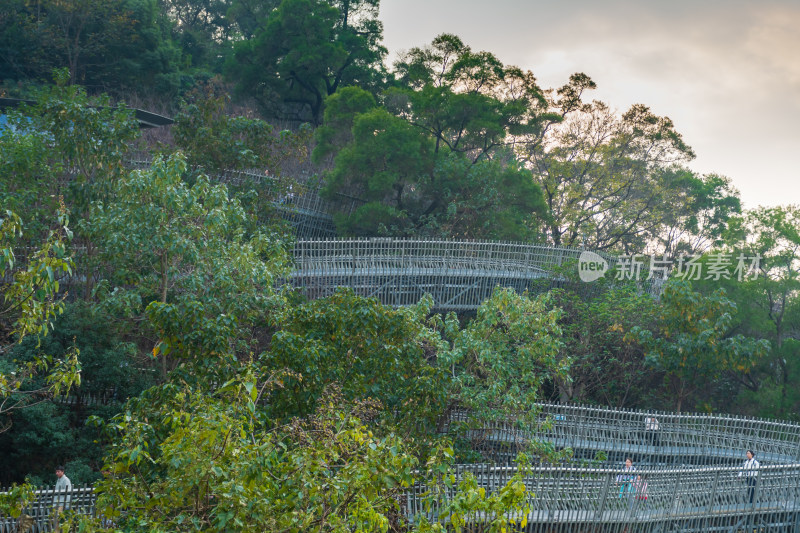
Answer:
x=411 y=187
x=13 y=502
x=184 y=254
x=368 y=350
x=467 y=101
x=341 y=109
x=436 y=152
x=31 y=297
x=25 y=181
x=506 y=509
x=304 y=51
x=768 y=240
x=604 y=176
x=50 y=432
x=500 y=360
x=202 y=29
x=487 y=200
x=192 y=460
x=65 y=147
x=215 y=141
x=31 y=301
x=103 y=44
x=694 y=341
x=386 y=162
x=605 y=369
x=702 y=216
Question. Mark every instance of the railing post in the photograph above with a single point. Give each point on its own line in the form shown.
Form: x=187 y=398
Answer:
x=601 y=507
x=674 y=498
x=711 y=501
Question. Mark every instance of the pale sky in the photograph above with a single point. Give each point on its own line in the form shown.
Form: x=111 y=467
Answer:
x=727 y=72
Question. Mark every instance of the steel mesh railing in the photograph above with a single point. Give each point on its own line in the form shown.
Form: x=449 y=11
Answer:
x=459 y=275
x=681 y=438
x=40 y=515
x=655 y=499
x=697 y=491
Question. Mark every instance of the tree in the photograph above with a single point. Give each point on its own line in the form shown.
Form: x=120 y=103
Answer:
x=203 y=29
x=436 y=156
x=410 y=188
x=182 y=255
x=63 y=145
x=466 y=101
x=692 y=342
x=603 y=175
x=68 y=147
x=367 y=350
x=31 y=300
x=500 y=361
x=306 y=50
x=702 y=213
x=768 y=241
x=184 y=460
x=604 y=368
x=104 y=45
x=53 y=431
x=488 y=199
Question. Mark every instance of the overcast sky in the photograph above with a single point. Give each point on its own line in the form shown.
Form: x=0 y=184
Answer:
x=727 y=72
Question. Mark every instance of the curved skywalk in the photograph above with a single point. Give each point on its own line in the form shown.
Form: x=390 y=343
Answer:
x=692 y=469
x=695 y=490
x=459 y=275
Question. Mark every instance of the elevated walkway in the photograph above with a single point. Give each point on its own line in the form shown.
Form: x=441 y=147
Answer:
x=459 y=275
x=690 y=485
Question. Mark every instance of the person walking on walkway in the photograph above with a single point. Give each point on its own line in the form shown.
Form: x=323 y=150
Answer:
x=62 y=496
x=641 y=489
x=750 y=473
x=651 y=430
x=626 y=478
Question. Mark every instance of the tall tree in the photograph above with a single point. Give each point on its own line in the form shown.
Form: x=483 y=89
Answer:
x=467 y=101
x=306 y=50
x=693 y=343
x=105 y=45
x=65 y=147
x=181 y=254
x=703 y=208
x=768 y=240
x=202 y=29
x=603 y=174
x=413 y=184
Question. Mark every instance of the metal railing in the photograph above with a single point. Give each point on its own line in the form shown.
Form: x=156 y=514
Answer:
x=650 y=437
x=690 y=483
x=42 y=514
x=700 y=499
x=459 y=275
